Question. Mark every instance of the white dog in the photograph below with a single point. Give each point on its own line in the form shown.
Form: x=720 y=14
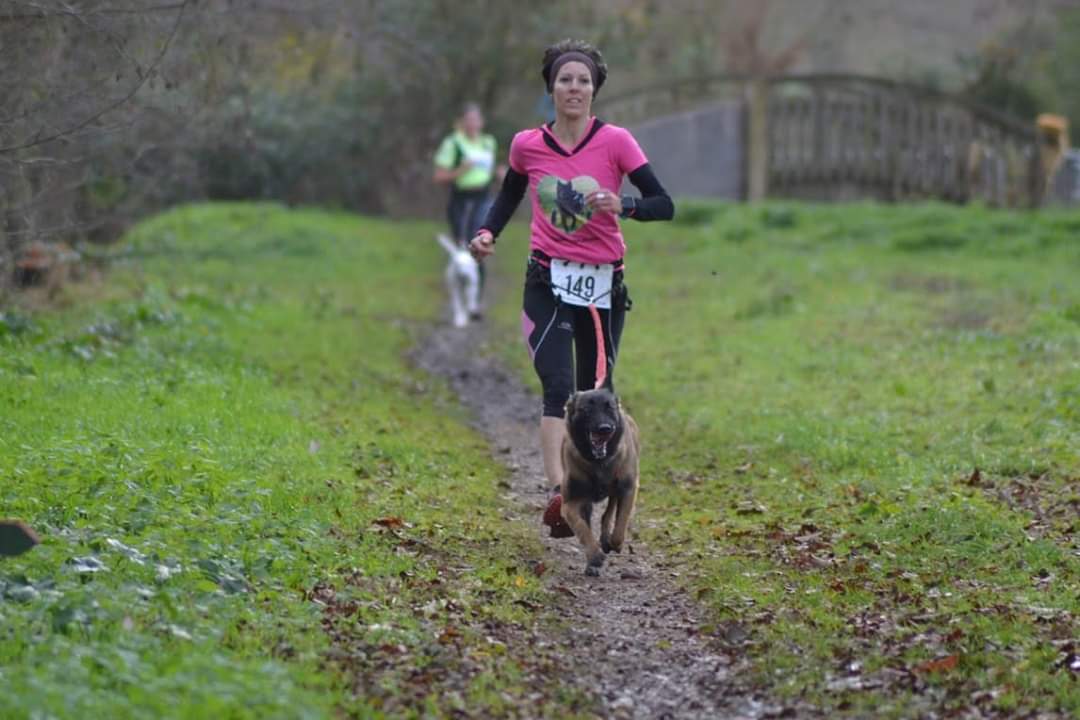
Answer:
x=463 y=282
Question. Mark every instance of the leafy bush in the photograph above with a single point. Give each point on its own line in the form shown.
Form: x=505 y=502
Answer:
x=290 y=147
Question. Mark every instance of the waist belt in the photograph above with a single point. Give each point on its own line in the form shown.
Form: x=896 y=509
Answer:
x=544 y=259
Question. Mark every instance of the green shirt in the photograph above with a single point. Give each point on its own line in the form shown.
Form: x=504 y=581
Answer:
x=457 y=147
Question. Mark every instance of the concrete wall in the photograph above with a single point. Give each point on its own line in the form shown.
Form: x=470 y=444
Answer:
x=1065 y=185
x=698 y=153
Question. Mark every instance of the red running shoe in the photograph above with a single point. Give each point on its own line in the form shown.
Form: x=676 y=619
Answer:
x=553 y=518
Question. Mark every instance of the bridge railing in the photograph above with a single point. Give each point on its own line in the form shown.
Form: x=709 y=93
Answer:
x=842 y=136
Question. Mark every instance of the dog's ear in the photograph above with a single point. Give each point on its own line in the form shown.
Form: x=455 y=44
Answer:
x=571 y=405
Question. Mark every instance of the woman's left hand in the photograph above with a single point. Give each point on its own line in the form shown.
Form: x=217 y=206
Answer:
x=604 y=201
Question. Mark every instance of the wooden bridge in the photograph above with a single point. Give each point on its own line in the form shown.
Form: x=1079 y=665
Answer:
x=833 y=136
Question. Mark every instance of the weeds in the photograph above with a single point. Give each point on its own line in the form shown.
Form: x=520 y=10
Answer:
x=250 y=505
x=815 y=398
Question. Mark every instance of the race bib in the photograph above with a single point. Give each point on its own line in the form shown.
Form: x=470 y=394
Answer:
x=481 y=159
x=582 y=284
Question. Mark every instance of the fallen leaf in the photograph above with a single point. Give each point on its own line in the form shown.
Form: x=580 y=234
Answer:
x=733 y=632
x=164 y=572
x=129 y=552
x=179 y=632
x=566 y=591
x=938 y=664
x=87 y=565
x=1070 y=662
x=390 y=521
x=841 y=684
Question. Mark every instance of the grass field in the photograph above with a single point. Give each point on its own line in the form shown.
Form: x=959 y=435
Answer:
x=863 y=445
x=251 y=506
x=862 y=455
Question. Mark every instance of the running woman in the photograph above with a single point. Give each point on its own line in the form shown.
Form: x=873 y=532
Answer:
x=573 y=168
x=465 y=160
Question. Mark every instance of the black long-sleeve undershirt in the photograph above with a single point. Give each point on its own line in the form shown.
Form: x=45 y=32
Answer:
x=654 y=203
x=513 y=189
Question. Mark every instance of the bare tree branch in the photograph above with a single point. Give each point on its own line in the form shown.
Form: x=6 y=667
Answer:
x=114 y=105
x=42 y=12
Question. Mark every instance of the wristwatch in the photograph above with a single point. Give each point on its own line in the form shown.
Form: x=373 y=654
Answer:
x=629 y=205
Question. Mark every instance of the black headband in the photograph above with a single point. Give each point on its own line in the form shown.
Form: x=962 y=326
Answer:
x=573 y=56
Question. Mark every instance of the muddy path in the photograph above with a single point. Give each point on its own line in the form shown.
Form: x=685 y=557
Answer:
x=633 y=637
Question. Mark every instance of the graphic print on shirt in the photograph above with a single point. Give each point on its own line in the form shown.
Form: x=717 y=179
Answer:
x=563 y=201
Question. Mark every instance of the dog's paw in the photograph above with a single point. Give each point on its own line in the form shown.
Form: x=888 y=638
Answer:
x=610 y=546
x=592 y=571
x=596 y=561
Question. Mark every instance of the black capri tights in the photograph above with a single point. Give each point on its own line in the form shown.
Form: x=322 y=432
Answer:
x=466 y=211
x=560 y=335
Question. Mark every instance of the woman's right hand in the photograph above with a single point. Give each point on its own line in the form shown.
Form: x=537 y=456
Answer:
x=482 y=245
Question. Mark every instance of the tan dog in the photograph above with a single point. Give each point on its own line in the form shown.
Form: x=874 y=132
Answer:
x=600 y=461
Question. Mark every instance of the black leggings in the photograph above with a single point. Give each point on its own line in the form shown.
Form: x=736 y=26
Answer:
x=466 y=211
x=558 y=334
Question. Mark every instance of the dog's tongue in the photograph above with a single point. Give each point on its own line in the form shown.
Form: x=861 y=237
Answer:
x=599 y=443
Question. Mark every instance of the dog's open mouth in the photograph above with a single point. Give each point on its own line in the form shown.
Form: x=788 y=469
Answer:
x=599 y=441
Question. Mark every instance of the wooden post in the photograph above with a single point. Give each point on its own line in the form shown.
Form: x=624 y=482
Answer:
x=885 y=153
x=818 y=163
x=1038 y=181
x=758 y=146
x=901 y=149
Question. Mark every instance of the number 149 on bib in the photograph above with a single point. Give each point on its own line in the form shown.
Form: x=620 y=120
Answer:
x=579 y=284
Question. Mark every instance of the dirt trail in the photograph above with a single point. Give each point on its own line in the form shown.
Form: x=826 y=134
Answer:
x=633 y=636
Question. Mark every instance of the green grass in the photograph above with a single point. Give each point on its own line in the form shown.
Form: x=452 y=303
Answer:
x=251 y=506
x=817 y=385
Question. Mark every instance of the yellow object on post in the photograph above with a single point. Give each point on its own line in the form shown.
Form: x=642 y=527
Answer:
x=1053 y=133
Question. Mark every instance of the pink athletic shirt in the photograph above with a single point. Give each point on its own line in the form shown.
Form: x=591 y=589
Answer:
x=560 y=178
